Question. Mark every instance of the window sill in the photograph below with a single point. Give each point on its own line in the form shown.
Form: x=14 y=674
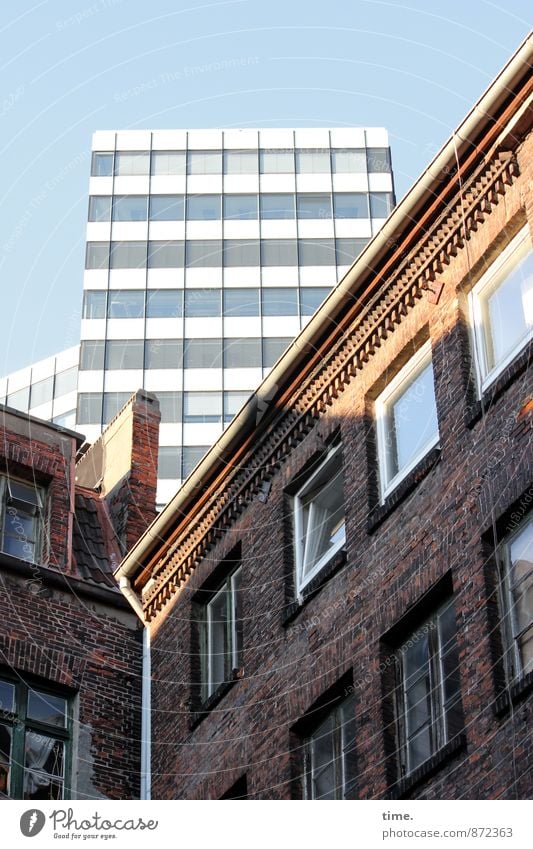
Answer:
x=498 y=387
x=213 y=700
x=292 y=610
x=444 y=755
x=513 y=695
x=381 y=511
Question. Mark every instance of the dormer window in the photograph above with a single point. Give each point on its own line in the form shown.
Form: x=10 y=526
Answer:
x=21 y=519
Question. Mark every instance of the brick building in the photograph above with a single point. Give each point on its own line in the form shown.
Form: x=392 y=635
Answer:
x=339 y=596
x=70 y=646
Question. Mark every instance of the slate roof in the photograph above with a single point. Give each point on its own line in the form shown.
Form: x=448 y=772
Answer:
x=95 y=552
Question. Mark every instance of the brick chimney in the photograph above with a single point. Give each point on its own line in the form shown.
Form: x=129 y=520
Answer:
x=122 y=466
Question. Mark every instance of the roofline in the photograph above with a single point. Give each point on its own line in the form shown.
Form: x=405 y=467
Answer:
x=433 y=176
x=28 y=417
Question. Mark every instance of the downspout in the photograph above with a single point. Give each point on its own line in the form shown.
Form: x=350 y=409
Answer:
x=146 y=724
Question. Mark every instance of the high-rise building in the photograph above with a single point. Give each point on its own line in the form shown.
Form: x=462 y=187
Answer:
x=207 y=252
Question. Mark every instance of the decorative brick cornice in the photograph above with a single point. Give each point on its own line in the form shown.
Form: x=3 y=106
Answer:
x=415 y=275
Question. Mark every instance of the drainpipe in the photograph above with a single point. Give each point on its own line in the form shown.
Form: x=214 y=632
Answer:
x=146 y=725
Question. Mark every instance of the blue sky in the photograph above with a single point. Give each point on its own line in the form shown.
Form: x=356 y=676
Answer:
x=70 y=67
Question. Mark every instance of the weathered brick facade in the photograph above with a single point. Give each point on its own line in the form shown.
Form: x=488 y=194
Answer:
x=65 y=626
x=433 y=538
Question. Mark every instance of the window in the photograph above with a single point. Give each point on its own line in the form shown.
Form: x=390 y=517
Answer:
x=242 y=353
x=113 y=403
x=35 y=729
x=203 y=353
x=166 y=208
x=201 y=303
x=169 y=462
x=20 y=400
x=330 y=754
x=319 y=525
x=241 y=302
x=100 y=208
x=238 y=254
x=314 y=206
x=97 y=255
x=204 y=253
x=312 y=161
x=240 y=162
x=203 y=207
x=378 y=159
x=132 y=164
x=277 y=206
x=22 y=519
x=347 y=250
x=164 y=353
x=130 y=208
x=349 y=161
x=428 y=689
x=280 y=301
x=233 y=401
x=277 y=161
x=92 y=355
x=165 y=254
x=204 y=162
x=66 y=381
x=67 y=419
x=164 y=303
x=279 y=252
x=128 y=254
x=124 y=354
x=222 y=635
x=515 y=559
x=273 y=349
x=170 y=405
x=502 y=308
x=128 y=303
x=317 y=251
x=380 y=204
x=311 y=297
x=168 y=163
x=351 y=205
x=204 y=407
x=42 y=391
x=406 y=416
x=102 y=165
x=191 y=456
x=240 y=207
x=94 y=304
x=89 y=408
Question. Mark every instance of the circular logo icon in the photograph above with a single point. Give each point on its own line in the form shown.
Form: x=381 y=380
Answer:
x=32 y=822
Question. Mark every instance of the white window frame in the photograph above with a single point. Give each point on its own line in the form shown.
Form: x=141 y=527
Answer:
x=233 y=651
x=299 y=540
x=5 y=496
x=485 y=374
x=404 y=378
x=343 y=747
x=513 y=655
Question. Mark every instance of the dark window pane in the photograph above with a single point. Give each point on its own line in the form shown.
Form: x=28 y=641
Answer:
x=164 y=303
x=128 y=164
x=202 y=302
x=204 y=253
x=130 y=208
x=94 y=304
x=311 y=297
x=100 y=208
x=203 y=207
x=42 y=391
x=203 y=353
x=242 y=353
x=204 y=162
x=124 y=354
x=165 y=254
x=348 y=161
x=47 y=708
x=280 y=301
x=380 y=204
x=170 y=405
x=89 y=408
x=348 y=249
x=166 y=208
x=277 y=206
x=168 y=163
x=240 y=207
x=277 y=161
x=241 y=302
x=244 y=252
x=113 y=403
x=169 y=462
x=125 y=304
x=317 y=251
x=66 y=381
x=7 y=697
x=164 y=353
x=202 y=407
x=240 y=162
x=378 y=159
x=273 y=349
x=192 y=454
x=92 y=355
x=97 y=255
x=128 y=254
x=279 y=252
x=351 y=205
x=314 y=206
x=102 y=165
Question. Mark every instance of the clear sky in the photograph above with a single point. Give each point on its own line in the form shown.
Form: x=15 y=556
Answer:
x=69 y=67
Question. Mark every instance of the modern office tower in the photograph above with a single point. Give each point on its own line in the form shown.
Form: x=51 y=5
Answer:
x=207 y=251
x=47 y=389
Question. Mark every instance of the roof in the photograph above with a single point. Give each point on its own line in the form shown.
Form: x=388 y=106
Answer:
x=94 y=549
